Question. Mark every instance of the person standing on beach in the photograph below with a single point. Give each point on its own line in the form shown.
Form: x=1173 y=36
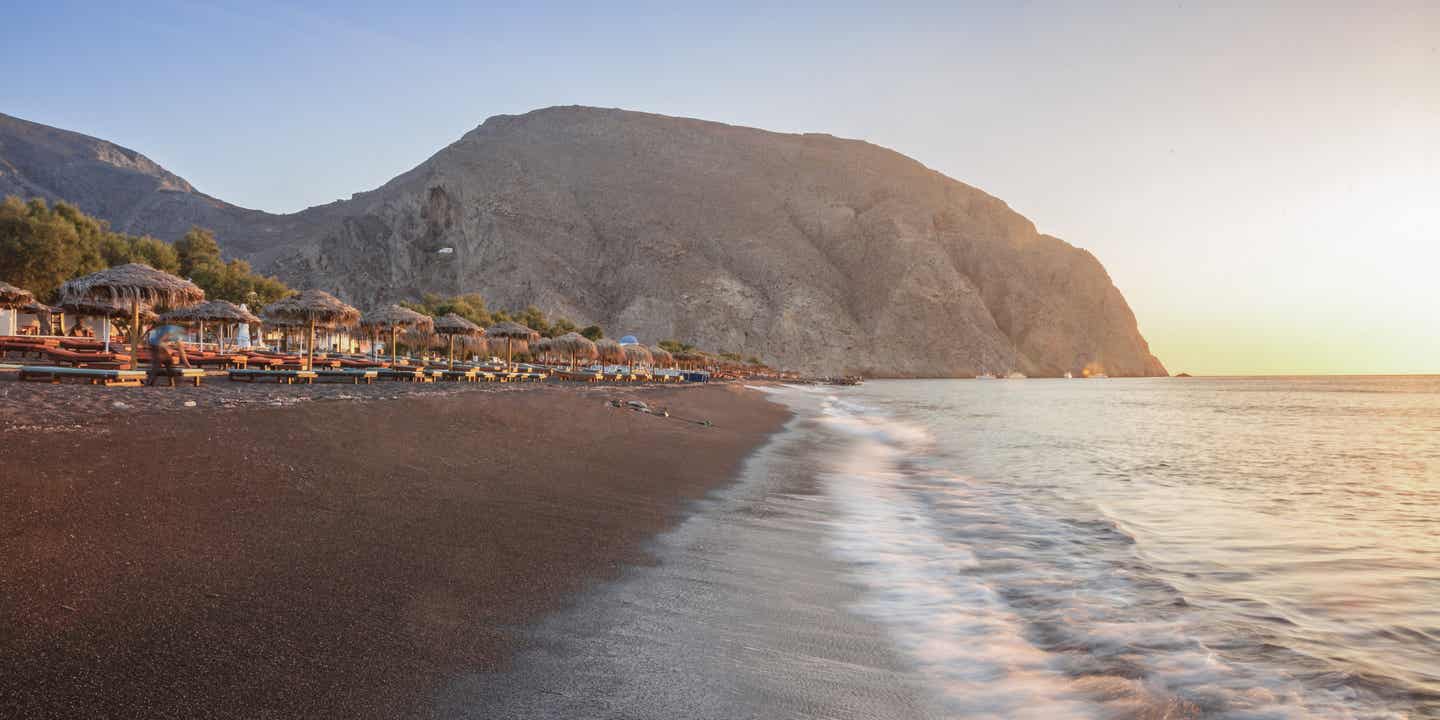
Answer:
x=164 y=346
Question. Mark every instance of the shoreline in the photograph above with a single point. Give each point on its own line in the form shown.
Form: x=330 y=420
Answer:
x=749 y=613
x=327 y=559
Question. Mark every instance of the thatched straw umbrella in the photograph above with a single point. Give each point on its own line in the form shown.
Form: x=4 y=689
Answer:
x=661 y=356
x=540 y=349
x=12 y=297
x=689 y=358
x=474 y=344
x=453 y=326
x=217 y=311
x=394 y=319
x=635 y=352
x=512 y=331
x=608 y=351
x=136 y=285
x=575 y=345
x=421 y=339
x=313 y=307
x=109 y=311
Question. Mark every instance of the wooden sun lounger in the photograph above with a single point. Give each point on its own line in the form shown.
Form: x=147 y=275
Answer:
x=81 y=343
x=288 y=377
x=460 y=375
x=31 y=340
x=578 y=376
x=361 y=364
x=347 y=375
x=111 y=361
x=194 y=375
x=224 y=362
x=519 y=376
x=323 y=364
x=262 y=361
x=404 y=374
x=92 y=376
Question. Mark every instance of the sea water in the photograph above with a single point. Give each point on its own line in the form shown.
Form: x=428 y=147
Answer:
x=1157 y=548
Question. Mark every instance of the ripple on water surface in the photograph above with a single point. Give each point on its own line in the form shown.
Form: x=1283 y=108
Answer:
x=1148 y=549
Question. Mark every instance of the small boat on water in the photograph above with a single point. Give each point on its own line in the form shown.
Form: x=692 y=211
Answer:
x=1015 y=375
x=1069 y=375
x=985 y=376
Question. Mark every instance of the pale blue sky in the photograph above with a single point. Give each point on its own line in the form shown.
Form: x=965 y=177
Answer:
x=1261 y=183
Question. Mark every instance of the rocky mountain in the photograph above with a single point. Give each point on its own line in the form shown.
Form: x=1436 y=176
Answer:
x=126 y=188
x=815 y=252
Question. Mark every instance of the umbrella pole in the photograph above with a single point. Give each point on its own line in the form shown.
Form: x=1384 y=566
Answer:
x=310 y=357
x=452 y=352
x=508 y=365
x=135 y=334
x=392 y=346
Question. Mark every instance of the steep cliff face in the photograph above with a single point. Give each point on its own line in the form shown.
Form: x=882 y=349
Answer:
x=823 y=253
x=815 y=252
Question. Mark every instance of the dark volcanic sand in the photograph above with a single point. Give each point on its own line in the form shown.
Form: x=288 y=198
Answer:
x=324 y=559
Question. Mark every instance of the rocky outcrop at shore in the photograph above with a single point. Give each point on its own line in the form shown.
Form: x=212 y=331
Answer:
x=826 y=255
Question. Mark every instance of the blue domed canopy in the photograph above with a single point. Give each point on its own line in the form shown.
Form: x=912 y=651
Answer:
x=629 y=340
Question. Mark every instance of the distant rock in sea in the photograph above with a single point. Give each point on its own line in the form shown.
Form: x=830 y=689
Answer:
x=826 y=255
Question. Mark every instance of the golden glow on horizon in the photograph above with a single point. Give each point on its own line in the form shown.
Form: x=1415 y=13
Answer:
x=1346 y=279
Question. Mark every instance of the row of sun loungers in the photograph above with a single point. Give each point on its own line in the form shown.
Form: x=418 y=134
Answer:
x=106 y=376
x=84 y=360
x=289 y=376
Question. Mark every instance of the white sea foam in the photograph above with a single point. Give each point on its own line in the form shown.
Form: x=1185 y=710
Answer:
x=956 y=629
x=1014 y=613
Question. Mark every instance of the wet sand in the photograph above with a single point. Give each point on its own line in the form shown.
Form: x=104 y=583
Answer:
x=326 y=558
x=747 y=614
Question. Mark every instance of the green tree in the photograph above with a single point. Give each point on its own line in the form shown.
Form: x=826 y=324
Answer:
x=533 y=318
x=561 y=326
x=470 y=306
x=41 y=247
x=236 y=282
x=592 y=333
x=157 y=254
x=675 y=346
x=115 y=249
x=198 y=249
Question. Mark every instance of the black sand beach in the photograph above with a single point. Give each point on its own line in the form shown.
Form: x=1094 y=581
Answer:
x=330 y=558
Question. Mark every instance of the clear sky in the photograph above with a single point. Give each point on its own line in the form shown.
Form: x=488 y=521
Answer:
x=1262 y=183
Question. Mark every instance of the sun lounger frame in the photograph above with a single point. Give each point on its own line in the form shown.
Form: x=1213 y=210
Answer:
x=92 y=376
x=352 y=375
x=286 y=377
